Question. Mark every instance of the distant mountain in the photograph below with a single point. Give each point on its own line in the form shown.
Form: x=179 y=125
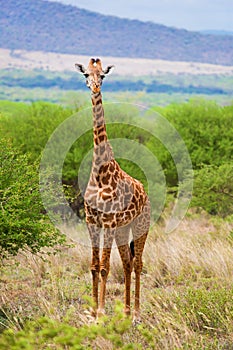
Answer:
x=50 y=26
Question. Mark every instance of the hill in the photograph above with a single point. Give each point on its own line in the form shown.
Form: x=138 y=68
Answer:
x=49 y=26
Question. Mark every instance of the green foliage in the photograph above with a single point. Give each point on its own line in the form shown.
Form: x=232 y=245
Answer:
x=23 y=224
x=213 y=189
x=30 y=127
x=191 y=318
x=47 y=333
x=205 y=127
x=69 y=81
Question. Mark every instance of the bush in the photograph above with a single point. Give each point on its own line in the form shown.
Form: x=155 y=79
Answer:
x=23 y=224
x=213 y=189
x=50 y=334
x=206 y=129
x=30 y=127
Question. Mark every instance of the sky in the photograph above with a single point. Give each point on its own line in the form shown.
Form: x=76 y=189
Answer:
x=186 y=14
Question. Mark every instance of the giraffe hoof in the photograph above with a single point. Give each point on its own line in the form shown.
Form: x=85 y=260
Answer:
x=127 y=312
x=90 y=316
x=100 y=313
x=136 y=319
x=93 y=313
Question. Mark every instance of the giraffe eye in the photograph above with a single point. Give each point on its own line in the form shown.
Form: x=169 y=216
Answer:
x=102 y=76
x=86 y=75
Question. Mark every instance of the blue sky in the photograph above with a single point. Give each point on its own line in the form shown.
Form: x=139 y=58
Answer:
x=188 y=14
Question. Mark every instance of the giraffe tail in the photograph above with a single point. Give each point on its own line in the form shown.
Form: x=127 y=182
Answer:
x=132 y=248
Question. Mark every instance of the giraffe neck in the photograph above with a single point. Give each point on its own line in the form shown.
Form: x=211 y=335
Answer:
x=102 y=149
x=99 y=127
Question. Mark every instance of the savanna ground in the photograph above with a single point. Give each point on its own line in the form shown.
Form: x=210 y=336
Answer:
x=187 y=294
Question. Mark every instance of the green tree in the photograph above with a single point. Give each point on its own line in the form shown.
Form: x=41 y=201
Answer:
x=23 y=225
x=206 y=129
x=30 y=126
x=213 y=189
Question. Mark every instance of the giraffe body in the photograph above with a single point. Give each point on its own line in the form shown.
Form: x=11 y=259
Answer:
x=114 y=202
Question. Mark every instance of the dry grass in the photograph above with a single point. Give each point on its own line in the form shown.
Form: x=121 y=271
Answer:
x=195 y=250
x=186 y=281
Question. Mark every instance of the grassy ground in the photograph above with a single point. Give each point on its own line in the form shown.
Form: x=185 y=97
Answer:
x=187 y=289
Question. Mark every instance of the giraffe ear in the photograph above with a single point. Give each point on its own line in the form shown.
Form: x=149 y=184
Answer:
x=80 y=68
x=109 y=70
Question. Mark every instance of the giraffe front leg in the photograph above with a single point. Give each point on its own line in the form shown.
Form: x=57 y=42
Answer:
x=95 y=264
x=105 y=267
x=95 y=278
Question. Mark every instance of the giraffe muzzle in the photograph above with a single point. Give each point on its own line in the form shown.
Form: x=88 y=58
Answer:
x=96 y=89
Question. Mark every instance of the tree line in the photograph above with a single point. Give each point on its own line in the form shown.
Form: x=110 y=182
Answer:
x=72 y=83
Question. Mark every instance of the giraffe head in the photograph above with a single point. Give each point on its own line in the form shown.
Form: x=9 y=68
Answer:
x=94 y=73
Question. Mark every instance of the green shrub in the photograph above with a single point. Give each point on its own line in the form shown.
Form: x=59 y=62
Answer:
x=187 y=319
x=30 y=127
x=213 y=189
x=22 y=222
x=206 y=129
x=46 y=333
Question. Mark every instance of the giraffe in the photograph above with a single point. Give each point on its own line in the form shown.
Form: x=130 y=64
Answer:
x=114 y=202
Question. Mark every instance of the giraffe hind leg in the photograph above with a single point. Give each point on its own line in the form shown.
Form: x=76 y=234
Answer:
x=122 y=239
x=138 y=264
x=140 y=228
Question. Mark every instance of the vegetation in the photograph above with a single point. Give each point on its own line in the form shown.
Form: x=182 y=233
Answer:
x=23 y=224
x=67 y=88
x=213 y=189
x=160 y=83
x=186 y=295
x=69 y=81
x=204 y=126
x=187 y=275
x=54 y=27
